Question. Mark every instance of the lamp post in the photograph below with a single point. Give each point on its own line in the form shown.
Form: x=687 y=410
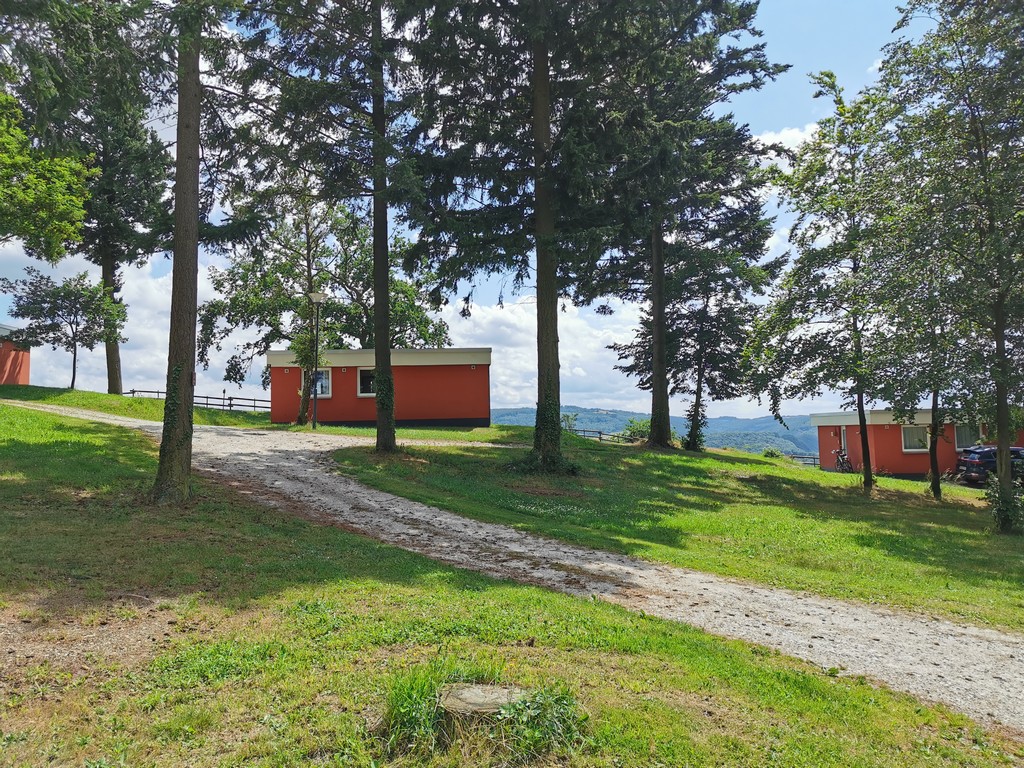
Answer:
x=317 y=299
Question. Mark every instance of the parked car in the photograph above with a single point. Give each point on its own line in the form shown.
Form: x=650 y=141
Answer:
x=975 y=463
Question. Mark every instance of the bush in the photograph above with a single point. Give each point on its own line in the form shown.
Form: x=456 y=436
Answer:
x=639 y=429
x=1008 y=514
x=772 y=453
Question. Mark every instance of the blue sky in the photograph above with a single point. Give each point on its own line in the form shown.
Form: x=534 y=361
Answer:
x=810 y=35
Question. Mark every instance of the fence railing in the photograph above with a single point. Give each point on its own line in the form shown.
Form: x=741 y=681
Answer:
x=808 y=459
x=222 y=403
x=606 y=437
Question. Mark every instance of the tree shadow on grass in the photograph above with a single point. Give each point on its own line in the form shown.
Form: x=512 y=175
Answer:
x=79 y=530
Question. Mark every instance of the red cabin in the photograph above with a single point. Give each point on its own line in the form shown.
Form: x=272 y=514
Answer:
x=433 y=387
x=14 y=360
x=896 y=449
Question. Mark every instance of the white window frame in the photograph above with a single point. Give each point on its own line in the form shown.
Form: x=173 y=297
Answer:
x=956 y=437
x=327 y=379
x=903 y=438
x=359 y=382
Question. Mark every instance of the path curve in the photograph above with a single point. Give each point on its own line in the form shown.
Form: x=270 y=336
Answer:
x=972 y=669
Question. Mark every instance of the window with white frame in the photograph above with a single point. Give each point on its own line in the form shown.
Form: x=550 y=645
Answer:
x=322 y=383
x=366 y=383
x=915 y=439
x=966 y=436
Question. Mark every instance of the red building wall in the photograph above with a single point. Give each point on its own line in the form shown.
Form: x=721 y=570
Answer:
x=424 y=394
x=886 y=444
x=14 y=363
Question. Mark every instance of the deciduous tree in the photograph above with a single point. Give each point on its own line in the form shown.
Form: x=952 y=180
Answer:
x=71 y=315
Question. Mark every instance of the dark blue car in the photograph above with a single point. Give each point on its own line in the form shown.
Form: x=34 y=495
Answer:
x=977 y=462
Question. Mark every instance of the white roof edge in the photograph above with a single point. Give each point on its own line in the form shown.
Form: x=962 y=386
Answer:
x=881 y=416
x=406 y=357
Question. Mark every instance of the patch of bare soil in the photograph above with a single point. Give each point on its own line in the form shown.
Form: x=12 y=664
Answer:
x=62 y=635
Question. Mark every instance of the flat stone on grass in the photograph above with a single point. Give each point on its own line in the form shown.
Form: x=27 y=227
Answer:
x=474 y=700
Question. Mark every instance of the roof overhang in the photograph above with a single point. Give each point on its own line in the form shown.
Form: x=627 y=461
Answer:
x=849 y=418
x=364 y=358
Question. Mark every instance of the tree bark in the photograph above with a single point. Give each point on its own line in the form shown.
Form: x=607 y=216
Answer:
x=935 y=475
x=547 y=436
x=661 y=426
x=1004 y=470
x=74 y=365
x=383 y=378
x=108 y=270
x=174 y=471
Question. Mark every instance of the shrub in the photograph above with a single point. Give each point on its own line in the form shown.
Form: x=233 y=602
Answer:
x=772 y=453
x=639 y=429
x=1008 y=514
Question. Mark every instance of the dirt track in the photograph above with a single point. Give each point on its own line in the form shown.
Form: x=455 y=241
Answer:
x=977 y=671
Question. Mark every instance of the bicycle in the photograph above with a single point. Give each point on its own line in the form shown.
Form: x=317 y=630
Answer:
x=842 y=461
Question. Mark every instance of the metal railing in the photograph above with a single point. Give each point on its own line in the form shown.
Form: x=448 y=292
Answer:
x=808 y=459
x=222 y=403
x=610 y=437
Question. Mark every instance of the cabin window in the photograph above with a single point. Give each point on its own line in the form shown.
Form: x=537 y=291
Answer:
x=322 y=383
x=966 y=436
x=366 y=382
x=915 y=439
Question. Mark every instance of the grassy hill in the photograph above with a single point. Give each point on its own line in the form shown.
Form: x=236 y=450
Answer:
x=754 y=435
x=225 y=632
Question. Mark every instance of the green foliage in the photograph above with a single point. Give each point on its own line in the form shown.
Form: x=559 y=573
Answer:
x=309 y=246
x=42 y=198
x=70 y=315
x=637 y=428
x=1007 y=509
x=569 y=421
x=547 y=720
x=772 y=453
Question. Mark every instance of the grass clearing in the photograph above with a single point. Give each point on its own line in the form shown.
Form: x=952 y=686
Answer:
x=740 y=515
x=265 y=640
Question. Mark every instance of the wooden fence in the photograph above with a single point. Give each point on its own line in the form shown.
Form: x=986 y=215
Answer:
x=222 y=403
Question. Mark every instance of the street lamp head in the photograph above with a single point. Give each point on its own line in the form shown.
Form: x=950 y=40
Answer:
x=318 y=298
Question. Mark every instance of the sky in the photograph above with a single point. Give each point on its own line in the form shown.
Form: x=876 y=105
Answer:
x=810 y=35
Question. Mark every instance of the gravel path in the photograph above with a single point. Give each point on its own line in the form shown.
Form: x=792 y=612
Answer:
x=977 y=671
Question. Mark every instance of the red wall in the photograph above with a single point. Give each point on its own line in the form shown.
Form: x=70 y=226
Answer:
x=423 y=393
x=14 y=364
x=886 y=444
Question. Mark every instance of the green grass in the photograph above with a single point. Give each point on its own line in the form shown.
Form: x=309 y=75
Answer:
x=148 y=408
x=241 y=634
x=152 y=409
x=738 y=515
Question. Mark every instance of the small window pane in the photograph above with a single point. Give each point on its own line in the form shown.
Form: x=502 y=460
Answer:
x=322 y=383
x=915 y=438
x=966 y=436
x=366 y=383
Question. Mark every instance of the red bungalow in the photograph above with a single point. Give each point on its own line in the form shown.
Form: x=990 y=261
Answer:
x=897 y=449
x=433 y=387
x=14 y=360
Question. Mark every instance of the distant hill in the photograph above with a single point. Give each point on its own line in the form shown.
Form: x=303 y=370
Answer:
x=722 y=432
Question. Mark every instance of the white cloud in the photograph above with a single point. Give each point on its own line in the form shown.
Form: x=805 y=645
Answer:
x=876 y=67
x=790 y=138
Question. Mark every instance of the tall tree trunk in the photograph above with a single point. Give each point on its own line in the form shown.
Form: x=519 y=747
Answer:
x=695 y=437
x=383 y=378
x=108 y=270
x=661 y=426
x=174 y=471
x=547 y=436
x=1001 y=371
x=933 y=448
x=302 y=417
x=862 y=416
x=74 y=365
